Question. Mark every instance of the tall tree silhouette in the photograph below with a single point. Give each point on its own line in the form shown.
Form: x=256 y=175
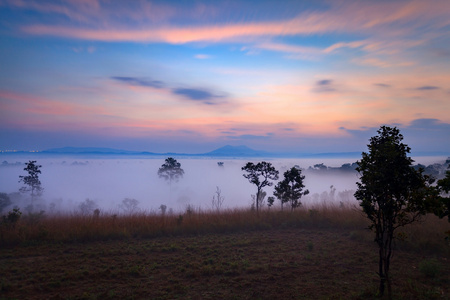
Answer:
x=31 y=182
x=391 y=193
x=171 y=170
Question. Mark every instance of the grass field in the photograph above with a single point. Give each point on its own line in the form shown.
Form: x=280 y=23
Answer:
x=317 y=253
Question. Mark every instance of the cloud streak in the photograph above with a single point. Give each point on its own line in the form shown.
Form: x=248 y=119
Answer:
x=197 y=94
x=409 y=15
x=139 y=81
x=427 y=88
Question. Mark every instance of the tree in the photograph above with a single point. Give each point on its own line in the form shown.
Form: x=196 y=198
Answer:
x=260 y=175
x=290 y=189
x=441 y=202
x=391 y=193
x=171 y=170
x=32 y=182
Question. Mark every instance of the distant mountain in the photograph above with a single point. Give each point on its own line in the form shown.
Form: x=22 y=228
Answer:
x=226 y=151
x=90 y=150
x=237 y=151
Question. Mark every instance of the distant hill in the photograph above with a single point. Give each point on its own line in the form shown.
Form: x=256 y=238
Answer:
x=226 y=151
x=237 y=151
x=90 y=150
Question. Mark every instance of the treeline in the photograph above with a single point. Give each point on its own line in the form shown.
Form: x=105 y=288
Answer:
x=436 y=170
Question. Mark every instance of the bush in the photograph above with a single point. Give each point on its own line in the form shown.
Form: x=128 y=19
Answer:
x=430 y=267
x=12 y=218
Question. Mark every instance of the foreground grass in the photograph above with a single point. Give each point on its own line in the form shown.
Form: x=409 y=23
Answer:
x=317 y=253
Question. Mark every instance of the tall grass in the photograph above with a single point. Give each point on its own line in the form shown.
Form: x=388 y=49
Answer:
x=109 y=226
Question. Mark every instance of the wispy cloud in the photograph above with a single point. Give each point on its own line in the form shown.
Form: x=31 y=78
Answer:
x=249 y=137
x=324 y=86
x=203 y=56
x=383 y=85
x=139 y=81
x=201 y=95
x=427 y=88
x=409 y=15
x=197 y=94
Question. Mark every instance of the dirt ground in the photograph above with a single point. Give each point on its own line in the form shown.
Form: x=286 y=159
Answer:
x=268 y=264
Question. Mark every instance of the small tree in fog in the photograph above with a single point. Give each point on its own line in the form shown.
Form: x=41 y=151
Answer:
x=129 y=205
x=31 y=182
x=171 y=170
x=260 y=175
x=391 y=193
x=163 y=209
x=290 y=189
x=87 y=207
x=217 y=199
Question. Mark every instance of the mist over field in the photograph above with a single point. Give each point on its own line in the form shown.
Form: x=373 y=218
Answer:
x=69 y=181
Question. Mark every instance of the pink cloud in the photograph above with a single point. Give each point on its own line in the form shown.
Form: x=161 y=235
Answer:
x=20 y=103
x=399 y=17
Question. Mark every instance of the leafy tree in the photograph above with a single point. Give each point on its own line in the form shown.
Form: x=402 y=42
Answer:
x=391 y=193
x=260 y=175
x=31 y=182
x=440 y=204
x=11 y=219
x=5 y=201
x=171 y=170
x=290 y=189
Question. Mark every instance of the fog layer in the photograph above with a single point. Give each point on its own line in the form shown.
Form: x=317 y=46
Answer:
x=70 y=181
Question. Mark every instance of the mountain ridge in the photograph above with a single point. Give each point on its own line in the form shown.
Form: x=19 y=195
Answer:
x=225 y=151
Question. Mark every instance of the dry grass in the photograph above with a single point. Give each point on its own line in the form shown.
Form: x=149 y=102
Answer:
x=316 y=252
x=31 y=229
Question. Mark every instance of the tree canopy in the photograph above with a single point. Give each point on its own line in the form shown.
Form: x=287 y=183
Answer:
x=31 y=182
x=171 y=170
x=290 y=189
x=261 y=175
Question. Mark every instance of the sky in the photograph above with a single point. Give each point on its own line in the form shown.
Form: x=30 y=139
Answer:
x=193 y=76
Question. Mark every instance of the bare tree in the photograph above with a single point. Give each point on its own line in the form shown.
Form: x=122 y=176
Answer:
x=217 y=199
x=129 y=205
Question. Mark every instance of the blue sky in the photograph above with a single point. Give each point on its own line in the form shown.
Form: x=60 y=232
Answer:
x=192 y=76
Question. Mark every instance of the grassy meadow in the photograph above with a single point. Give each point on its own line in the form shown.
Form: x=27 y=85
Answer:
x=316 y=252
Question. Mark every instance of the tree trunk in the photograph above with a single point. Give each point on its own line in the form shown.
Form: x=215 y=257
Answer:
x=381 y=272
x=258 y=193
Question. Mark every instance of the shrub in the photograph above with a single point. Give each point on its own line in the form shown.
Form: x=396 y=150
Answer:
x=430 y=267
x=12 y=218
